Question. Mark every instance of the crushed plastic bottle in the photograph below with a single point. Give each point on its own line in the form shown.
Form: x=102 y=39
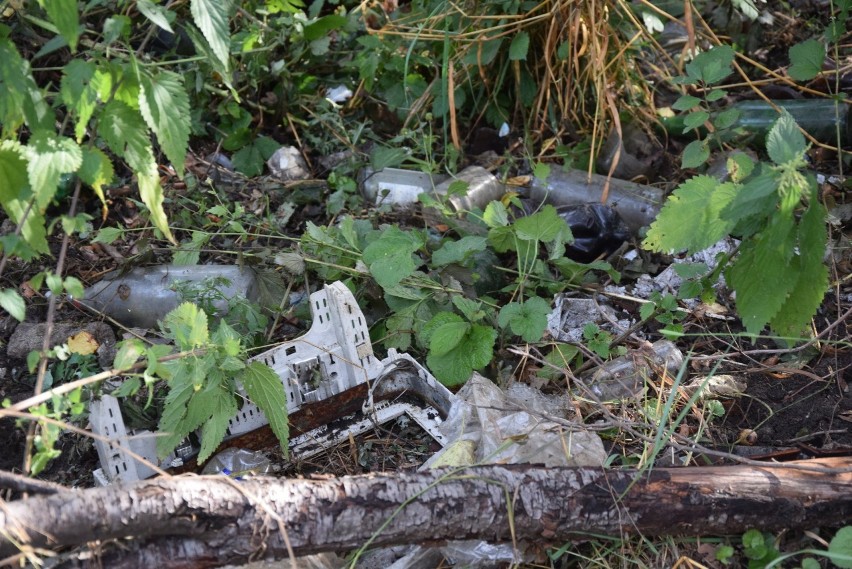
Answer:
x=624 y=377
x=401 y=187
x=143 y=296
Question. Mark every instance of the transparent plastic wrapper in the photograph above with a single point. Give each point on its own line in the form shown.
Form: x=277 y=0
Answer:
x=143 y=296
x=238 y=462
x=624 y=377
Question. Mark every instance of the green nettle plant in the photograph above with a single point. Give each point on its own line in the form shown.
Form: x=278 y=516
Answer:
x=112 y=101
x=773 y=207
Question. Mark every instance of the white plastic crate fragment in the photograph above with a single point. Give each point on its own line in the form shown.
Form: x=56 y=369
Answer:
x=334 y=356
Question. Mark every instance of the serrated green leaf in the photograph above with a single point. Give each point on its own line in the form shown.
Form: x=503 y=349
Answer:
x=695 y=154
x=726 y=118
x=152 y=196
x=187 y=326
x=437 y=321
x=211 y=17
x=400 y=326
x=265 y=389
x=447 y=337
x=757 y=197
x=785 y=142
x=390 y=257
x=840 y=548
x=806 y=59
x=695 y=119
x=96 y=170
x=502 y=239
x=711 y=66
x=740 y=166
x=124 y=130
x=471 y=309
x=213 y=431
x=528 y=319
x=64 y=15
x=78 y=93
x=155 y=13
x=458 y=251
x=15 y=195
x=48 y=157
x=690 y=218
x=13 y=303
x=174 y=410
x=496 y=215
x=715 y=95
x=474 y=351
x=686 y=102
x=128 y=353
x=249 y=159
x=520 y=46
x=807 y=294
x=321 y=27
x=129 y=387
x=543 y=226
x=762 y=275
x=108 y=235
x=165 y=107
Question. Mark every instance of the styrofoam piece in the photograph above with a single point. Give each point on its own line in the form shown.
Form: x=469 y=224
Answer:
x=333 y=356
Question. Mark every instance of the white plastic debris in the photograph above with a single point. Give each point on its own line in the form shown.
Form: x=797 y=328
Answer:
x=287 y=164
x=338 y=94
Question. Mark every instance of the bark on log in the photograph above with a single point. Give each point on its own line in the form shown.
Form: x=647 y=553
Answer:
x=206 y=521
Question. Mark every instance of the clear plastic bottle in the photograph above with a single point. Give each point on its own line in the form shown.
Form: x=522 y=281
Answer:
x=625 y=377
x=143 y=296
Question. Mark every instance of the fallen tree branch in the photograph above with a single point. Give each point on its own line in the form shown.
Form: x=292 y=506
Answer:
x=187 y=520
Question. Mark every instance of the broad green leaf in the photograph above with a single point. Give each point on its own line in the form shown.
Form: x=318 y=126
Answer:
x=265 y=389
x=15 y=196
x=96 y=170
x=399 y=326
x=502 y=238
x=390 y=257
x=437 y=321
x=690 y=218
x=496 y=215
x=213 y=432
x=321 y=27
x=747 y=7
x=762 y=274
x=785 y=143
x=543 y=226
x=170 y=426
x=686 y=102
x=561 y=357
x=716 y=94
x=482 y=51
x=78 y=93
x=211 y=17
x=740 y=166
x=157 y=14
x=64 y=15
x=116 y=27
x=756 y=197
x=520 y=46
x=13 y=87
x=711 y=66
x=73 y=287
x=165 y=107
x=126 y=134
x=472 y=309
x=527 y=320
x=726 y=118
x=190 y=252
x=475 y=351
x=807 y=294
x=841 y=546
x=458 y=251
x=806 y=59
x=49 y=156
x=108 y=235
x=249 y=159
x=128 y=353
x=695 y=119
x=447 y=337
x=187 y=326
x=13 y=303
x=695 y=154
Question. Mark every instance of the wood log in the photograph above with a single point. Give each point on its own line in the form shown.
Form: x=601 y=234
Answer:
x=205 y=521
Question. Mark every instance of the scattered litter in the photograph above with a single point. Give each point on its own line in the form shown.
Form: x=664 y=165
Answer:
x=570 y=316
x=597 y=229
x=334 y=356
x=143 y=296
x=624 y=377
x=397 y=186
x=721 y=386
x=638 y=205
x=338 y=94
x=287 y=164
x=237 y=463
x=29 y=337
x=482 y=188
